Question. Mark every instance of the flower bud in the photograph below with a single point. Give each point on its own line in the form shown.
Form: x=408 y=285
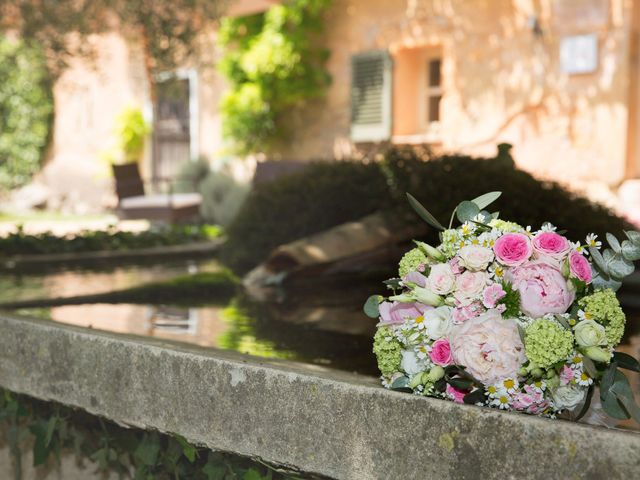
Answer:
x=537 y=372
x=597 y=354
x=430 y=251
x=404 y=298
x=427 y=297
x=417 y=379
x=435 y=374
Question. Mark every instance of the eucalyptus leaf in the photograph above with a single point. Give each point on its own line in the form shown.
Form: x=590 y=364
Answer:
x=612 y=407
x=626 y=361
x=614 y=243
x=633 y=236
x=598 y=259
x=483 y=201
x=622 y=391
x=424 y=213
x=400 y=383
x=601 y=282
x=630 y=251
x=372 y=306
x=586 y=404
x=466 y=211
x=620 y=268
x=521 y=332
x=608 y=379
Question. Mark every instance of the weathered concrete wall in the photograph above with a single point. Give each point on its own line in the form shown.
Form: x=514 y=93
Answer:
x=332 y=423
x=501 y=81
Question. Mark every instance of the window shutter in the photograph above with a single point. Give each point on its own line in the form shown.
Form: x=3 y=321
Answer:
x=371 y=97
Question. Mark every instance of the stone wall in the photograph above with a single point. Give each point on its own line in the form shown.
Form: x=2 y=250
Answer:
x=306 y=417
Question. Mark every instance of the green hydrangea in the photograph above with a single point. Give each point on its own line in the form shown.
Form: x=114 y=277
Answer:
x=411 y=261
x=388 y=351
x=505 y=226
x=547 y=343
x=450 y=242
x=603 y=307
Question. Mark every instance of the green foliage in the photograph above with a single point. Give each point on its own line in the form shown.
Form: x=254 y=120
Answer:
x=328 y=194
x=51 y=429
x=20 y=243
x=26 y=106
x=131 y=131
x=273 y=63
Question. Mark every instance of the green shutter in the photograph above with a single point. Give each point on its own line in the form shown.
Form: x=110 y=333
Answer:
x=371 y=97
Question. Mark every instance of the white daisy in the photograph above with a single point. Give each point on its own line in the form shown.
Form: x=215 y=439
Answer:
x=592 y=242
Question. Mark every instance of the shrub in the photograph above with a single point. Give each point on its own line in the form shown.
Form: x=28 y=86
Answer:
x=26 y=107
x=328 y=194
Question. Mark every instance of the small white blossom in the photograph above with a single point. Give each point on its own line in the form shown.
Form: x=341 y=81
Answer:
x=592 y=242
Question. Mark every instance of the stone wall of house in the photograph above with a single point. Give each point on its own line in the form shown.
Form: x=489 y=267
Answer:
x=502 y=80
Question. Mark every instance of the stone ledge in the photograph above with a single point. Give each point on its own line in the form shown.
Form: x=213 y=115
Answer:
x=313 y=419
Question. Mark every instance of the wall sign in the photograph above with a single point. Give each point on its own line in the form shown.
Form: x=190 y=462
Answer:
x=579 y=54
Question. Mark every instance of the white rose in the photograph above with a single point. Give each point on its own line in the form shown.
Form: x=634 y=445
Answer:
x=438 y=322
x=590 y=333
x=475 y=257
x=410 y=363
x=469 y=286
x=441 y=279
x=568 y=396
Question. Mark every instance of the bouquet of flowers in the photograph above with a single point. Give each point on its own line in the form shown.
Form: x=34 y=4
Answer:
x=504 y=316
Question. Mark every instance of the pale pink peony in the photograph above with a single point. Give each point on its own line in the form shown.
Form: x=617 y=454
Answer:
x=397 y=312
x=580 y=267
x=469 y=286
x=441 y=279
x=489 y=347
x=492 y=294
x=550 y=247
x=440 y=353
x=456 y=394
x=513 y=249
x=463 y=313
x=542 y=289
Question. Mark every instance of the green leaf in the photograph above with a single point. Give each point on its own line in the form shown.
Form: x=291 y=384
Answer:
x=620 y=268
x=614 y=243
x=586 y=404
x=622 y=391
x=598 y=260
x=477 y=396
x=626 y=361
x=630 y=251
x=371 y=306
x=40 y=449
x=466 y=211
x=189 y=450
x=612 y=407
x=252 y=474
x=424 y=213
x=460 y=383
x=633 y=236
x=521 y=332
x=601 y=282
x=607 y=379
x=51 y=426
x=400 y=383
x=148 y=450
x=483 y=201
x=590 y=367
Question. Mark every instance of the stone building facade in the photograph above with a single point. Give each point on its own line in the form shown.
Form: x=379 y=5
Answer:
x=555 y=78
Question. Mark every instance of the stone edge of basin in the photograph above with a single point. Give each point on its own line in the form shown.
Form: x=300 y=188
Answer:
x=309 y=418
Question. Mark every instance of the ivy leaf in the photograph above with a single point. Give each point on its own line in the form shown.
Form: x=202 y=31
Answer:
x=148 y=450
x=424 y=213
x=466 y=211
x=483 y=201
x=189 y=450
x=626 y=361
x=371 y=306
x=614 y=243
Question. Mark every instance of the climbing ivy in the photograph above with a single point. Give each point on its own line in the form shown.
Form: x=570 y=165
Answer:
x=51 y=429
x=26 y=106
x=273 y=63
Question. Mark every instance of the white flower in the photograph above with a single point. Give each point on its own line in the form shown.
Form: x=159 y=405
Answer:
x=509 y=385
x=475 y=257
x=548 y=227
x=410 y=363
x=502 y=401
x=441 y=279
x=568 y=396
x=468 y=228
x=438 y=322
x=582 y=378
x=592 y=242
x=589 y=334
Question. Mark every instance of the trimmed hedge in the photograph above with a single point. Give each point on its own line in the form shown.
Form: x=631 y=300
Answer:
x=328 y=194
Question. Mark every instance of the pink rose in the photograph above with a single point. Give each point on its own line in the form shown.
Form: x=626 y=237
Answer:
x=475 y=257
x=513 y=249
x=456 y=268
x=492 y=294
x=542 y=289
x=489 y=347
x=580 y=267
x=397 y=312
x=441 y=279
x=440 y=353
x=550 y=247
x=456 y=394
x=469 y=286
x=463 y=313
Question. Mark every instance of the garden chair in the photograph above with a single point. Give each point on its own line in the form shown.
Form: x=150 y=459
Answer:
x=134 y=203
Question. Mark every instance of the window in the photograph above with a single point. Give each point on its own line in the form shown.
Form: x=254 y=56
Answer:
x=371 y=97
x=432 y=92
